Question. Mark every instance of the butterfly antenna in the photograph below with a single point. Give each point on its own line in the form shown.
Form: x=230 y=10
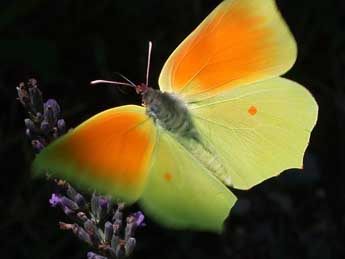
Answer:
x=148 y=63
x=110 y=82
x=129 y=81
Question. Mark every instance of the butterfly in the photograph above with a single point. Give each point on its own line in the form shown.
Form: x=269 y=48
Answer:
x=223 y=117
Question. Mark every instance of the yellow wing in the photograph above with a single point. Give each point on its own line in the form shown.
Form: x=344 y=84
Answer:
x=258 y=130
x=183 y=194
x=240 y=42
x=110 y=152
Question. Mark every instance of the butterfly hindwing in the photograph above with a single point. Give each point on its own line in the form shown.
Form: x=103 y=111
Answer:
x=265 y=129
x=240 y=42
x=110 y=152
x=181 y=193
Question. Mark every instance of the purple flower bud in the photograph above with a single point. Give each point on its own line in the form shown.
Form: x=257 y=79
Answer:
x=66 y=226
x=100 y=206
x=80 y=200
x=32 y=82
x=29 y=124
x=103 y=202
x=91 y=228
x=71 y=192
x=82 y=234
x=67 y=210
x=28 y=133
x=130 y=245
x=68 y=206
x=94 y=203
x=130 y=230
x=39 y=116
x=23 y=95
x=91 y=255
x=117 y=227
x=134 y=221
x=104 y=206
x=37 y=145
x=82 y=216
x=61 y=124
x=120 y=206
x=118 y=215
x=35 y=99
x=55 y=106
x=111 y=252
x=120 y=251
x=108 y=231
x=139 y=216
x=49 y=116
x=45 y=127
x=66 y=202
x=55 y=200
x=115 y=242
x=55 y=133
x=51 y=111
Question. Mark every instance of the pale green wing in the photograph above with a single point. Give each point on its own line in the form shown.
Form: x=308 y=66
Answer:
x=258 y=130
x=181 y=193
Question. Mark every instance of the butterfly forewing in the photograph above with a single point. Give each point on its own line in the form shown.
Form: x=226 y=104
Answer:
x=110 y=152
x=240 y=42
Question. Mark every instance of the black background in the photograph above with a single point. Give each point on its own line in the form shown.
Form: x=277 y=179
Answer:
x=66 y=44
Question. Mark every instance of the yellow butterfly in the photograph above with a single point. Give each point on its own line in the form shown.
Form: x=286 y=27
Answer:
x=222 y=117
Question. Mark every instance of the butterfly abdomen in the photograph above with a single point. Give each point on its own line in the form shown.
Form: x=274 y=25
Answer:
x=207 y=158
x=172 y=114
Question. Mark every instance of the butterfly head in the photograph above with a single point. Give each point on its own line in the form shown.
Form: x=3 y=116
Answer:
x=146 y=92
x=141 y=88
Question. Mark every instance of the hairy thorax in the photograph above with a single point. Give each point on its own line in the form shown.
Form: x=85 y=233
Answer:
x=172 y=114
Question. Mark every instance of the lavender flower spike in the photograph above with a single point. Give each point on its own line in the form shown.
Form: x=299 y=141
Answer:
x=94 y=220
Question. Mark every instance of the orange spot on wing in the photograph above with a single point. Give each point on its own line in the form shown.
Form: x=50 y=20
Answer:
x=168 y=177
x=252 y=110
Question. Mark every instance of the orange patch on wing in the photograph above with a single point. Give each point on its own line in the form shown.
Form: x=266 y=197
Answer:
x=252 y=110
x=112 y=147
x=232 y=54
x=168 y=177
x=239 y=42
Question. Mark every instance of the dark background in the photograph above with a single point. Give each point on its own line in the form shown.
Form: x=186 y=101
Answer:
x=66 y=44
